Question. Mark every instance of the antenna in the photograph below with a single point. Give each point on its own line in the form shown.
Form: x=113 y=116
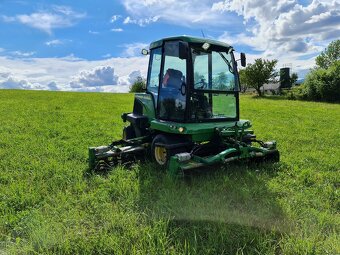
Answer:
x=202 y=33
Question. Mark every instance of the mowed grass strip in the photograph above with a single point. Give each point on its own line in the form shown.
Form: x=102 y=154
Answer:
x=51 y=204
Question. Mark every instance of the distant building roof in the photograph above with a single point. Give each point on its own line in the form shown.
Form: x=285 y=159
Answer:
x=271 y=86
x=268 y=86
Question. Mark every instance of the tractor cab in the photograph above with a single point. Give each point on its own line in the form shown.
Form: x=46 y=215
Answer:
x=193 y=80
x=189 y=115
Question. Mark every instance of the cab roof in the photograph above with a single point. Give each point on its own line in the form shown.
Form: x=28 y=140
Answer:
x=188 y=39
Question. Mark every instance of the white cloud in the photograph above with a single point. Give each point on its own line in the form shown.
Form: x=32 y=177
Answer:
x=185 y=12
x=134 y=49
x=93 y=32
x=8 y=19
x=284 y=29
x=117 y=30
x=5 y=75
x=108 y=55
x=11 y=83
x=284 y=25
x=19 y=53
x=114 y=18
x=141 y=22
x=133 y=76
x=101 y=76
x=58 y=73
x=57 y=17
x=54 y=42
x=52 y=86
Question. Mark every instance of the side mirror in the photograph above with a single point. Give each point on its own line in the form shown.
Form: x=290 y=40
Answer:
x=243 y=59
x=145 y=52
x=183 y=50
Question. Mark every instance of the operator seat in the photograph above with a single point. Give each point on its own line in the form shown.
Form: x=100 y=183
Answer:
x=201 y=107
x=175 y=79
x=172 y=101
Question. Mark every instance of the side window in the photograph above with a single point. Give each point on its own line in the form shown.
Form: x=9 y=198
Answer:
x=155 y=68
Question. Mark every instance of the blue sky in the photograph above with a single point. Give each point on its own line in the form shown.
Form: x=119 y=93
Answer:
x=94 y=45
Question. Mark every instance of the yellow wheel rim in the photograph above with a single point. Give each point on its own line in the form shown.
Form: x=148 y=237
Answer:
x=160 y=155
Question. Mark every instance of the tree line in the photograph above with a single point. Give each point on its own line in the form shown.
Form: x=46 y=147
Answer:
x=322 y=83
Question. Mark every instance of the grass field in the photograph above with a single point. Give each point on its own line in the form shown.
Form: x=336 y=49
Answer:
x=50 y=204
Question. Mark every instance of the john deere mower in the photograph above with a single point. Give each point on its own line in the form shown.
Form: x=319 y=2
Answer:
x=189 y=115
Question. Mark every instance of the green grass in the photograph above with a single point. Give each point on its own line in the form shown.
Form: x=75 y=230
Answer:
x=50 y=204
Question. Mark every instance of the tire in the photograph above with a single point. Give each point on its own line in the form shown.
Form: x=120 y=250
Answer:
x=128 y=133
x=160 y=155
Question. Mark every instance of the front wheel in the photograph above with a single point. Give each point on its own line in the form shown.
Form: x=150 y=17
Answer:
x=159 y=153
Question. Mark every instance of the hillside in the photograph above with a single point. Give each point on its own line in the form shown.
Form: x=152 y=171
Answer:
x=50 y=203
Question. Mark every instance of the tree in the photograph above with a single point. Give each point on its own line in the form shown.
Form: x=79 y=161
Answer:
x=244 y=83
x=138 y=85
x=259 y=73
x=293 y=79
x=329 y=55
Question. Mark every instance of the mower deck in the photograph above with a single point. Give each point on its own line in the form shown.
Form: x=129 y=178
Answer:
x=231 y=144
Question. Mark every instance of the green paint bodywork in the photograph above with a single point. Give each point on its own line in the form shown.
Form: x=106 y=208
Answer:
x=148 y=104
x=246 y=152
x=199 y=132
x=188 y=39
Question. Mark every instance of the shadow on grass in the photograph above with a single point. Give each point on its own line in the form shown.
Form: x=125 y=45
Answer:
x=217 y=210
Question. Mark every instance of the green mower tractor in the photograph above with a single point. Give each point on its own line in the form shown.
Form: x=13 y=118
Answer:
x=189 y=115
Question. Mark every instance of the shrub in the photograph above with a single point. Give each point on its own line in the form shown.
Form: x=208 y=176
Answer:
x=296 y=93
x=138 y=85
x=324 y=84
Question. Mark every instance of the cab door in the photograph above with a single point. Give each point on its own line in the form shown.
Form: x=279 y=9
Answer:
x=172 y=90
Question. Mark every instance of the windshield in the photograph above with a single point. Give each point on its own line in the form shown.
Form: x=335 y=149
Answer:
x=215 y=90
x=213 y=70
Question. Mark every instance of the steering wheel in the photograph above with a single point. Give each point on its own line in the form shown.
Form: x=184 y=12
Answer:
x=203 y=83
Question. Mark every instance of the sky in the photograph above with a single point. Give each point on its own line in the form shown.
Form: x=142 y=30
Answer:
x=86 y=45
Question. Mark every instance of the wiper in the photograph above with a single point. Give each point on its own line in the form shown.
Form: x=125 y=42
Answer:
x=227 y=62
